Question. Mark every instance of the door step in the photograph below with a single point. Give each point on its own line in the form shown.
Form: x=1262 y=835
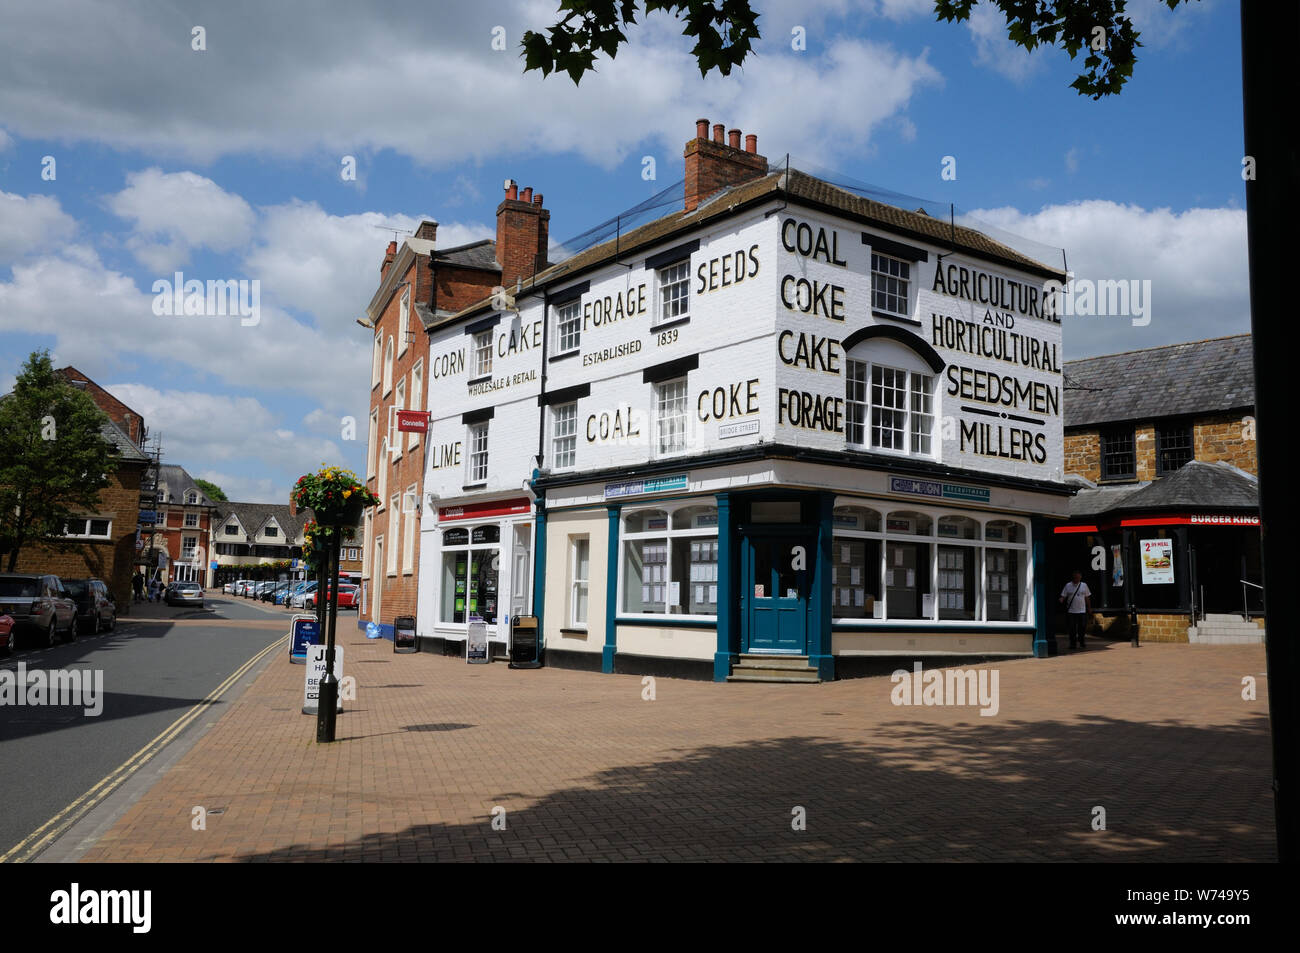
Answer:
x=773 y=668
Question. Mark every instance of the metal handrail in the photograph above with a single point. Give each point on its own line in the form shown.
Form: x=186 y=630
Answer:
x=1245 y=606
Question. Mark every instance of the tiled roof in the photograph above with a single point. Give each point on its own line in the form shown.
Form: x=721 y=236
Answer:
x=178 y=482
x=253 y=515
x=1195 y=486
x=1180 y=379
x=791 y=185
x=479 y=254
x=125 y=447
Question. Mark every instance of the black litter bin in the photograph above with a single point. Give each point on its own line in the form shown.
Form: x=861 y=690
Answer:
x=523 y=642
x=404 y=633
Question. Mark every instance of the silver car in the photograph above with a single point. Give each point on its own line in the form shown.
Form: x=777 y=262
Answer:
x=185 y=594
x=38 y=604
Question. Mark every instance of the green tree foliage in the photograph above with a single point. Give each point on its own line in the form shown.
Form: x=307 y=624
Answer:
x=54 y=459
x=213 y=492
x=724 y=31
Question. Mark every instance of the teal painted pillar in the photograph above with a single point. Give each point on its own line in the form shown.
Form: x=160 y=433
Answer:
x=611 y=595
x=1042 y=608
x=539 y=572
x=728 y=596
x=819 y=629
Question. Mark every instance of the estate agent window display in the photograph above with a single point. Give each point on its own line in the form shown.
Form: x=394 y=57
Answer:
x=471 y=560
x=930 y=565
x=669 y=564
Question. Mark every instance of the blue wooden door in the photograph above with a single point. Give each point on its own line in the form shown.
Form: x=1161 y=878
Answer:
x=778 y=572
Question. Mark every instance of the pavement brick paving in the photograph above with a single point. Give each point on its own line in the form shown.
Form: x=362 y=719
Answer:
x=585 y=769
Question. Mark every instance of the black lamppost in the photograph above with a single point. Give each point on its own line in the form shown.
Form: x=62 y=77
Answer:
x=326 y=711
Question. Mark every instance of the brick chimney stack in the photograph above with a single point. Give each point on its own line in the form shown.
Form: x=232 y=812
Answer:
x=713 y=165
x=389 y=256
x=428 y=229
x=523 y=232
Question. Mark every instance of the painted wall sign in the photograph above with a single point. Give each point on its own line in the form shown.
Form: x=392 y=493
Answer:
x=726 y=431
x=610 y=353
x=649 y=485
x=982 y=287
x=726 y=270
x=444 y=455
x=1157 y=561
x=735 y=400
x=1197 y=519
x=501 y=383
x=470 y=511
x=445 y=365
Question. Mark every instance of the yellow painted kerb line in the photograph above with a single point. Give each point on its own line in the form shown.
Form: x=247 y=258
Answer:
x=40 y=838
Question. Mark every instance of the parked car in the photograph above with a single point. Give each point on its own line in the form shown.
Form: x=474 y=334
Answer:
x=244 y=586
x=96 y=607
x=299 y=598
x=184 y=594
x=38 y=604
x=7 y=633
x=282 y=596
x=271 y=592
x=349 y=597
x=229 y=588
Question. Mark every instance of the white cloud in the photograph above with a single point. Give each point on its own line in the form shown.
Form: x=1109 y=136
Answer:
x=1072 y=160
x=32 y=224
x=1195 y=259
x=994 y=49
x=6 y=141
x=173 y=213
x=348 y=79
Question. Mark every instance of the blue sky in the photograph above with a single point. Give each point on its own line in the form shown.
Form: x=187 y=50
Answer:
x=225 y=164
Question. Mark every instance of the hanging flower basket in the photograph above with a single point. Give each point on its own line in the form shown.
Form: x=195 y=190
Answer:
x=336 y=497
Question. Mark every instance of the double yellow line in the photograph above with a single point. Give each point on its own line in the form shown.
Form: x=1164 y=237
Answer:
x=41 y=838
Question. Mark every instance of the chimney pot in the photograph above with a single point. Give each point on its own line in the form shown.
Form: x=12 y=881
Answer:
x=718 y=130
x=733 y=138
x=701 y=129
x=527 y=195
x=512 y=189
x=392 y=247
x=537 y=199
x=751 y=143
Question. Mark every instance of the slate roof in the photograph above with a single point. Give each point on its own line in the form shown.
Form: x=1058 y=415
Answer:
x=1180 y=379
x=254 y=515
x=125 y=446
x=788 y=185
x=178 y=482
x=1195 y=486
x=479 y=254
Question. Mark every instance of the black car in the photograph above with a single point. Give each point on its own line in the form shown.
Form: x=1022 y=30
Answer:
x=96 y=607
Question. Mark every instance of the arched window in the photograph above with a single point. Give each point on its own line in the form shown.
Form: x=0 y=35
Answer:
x=388 y=365
x=376 y=362
x=192 y=497
x=890 y=394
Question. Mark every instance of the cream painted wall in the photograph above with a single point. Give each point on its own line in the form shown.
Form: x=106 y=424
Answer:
x=561 y=528
x=931 y=643
x=666 y=642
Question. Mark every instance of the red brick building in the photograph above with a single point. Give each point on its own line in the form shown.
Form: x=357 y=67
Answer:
x=419 y=284
x=185 y=527
x=102 y=544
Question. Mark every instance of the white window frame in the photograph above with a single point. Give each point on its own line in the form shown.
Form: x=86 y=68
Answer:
x=383 y=473
x=564 y=446
x=84 y=523
x=476 y=468
x=568 y=315
x=404 y=322
x=933 y=540
x=391 y=552
x=905 y=279
x=670 y=535
x=918 y=388
x=377 y=362
x=481 y=354
x=372 y=444
x=660 y=394
x=189 y=550
x=417 y=398
x=192 y=498
x=410 y=500
x=186 y=524
x=668 y=279
x=578 y=582
x=395 y=440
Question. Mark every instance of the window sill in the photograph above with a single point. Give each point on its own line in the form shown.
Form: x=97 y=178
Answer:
x=565 y=356
x=479 y=380
x=573 y=632
x=474 y=486
x=664 y=326
x=897 y=317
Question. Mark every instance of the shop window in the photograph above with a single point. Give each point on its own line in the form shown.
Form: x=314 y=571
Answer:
x=856 y=518
x=1173 y=447
x=564 y=436
x=568 y=326
x=907 y=567
x=855 y=577
x=907 y=523
x=670 y=416
x=674 y=292
x=670 y=565
x=956 y=582
x=483 y=353
x=478 y=453
x=890 y=285
x=958 y=527
x=1118 y=458
x=470 y=574
x=1005 y=531
x=580 y=575
x=1004 y=571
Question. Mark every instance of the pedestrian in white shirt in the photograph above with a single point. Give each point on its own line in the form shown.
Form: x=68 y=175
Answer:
x=1077 y=599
